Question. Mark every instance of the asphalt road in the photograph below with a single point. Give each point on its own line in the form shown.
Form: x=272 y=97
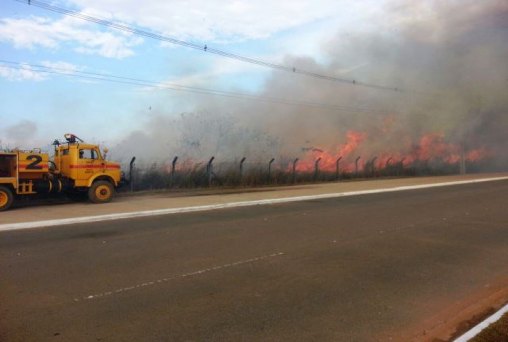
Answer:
x=364 y=268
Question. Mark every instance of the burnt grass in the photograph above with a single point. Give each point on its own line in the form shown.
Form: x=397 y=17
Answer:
x=496 y=332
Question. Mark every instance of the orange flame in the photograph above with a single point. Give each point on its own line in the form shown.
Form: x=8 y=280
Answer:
x=430 y=147
x=328 y=160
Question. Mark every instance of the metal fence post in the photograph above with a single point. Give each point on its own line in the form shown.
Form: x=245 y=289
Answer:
x=337 y=174
x=294 y=169
x=373 y=166
x=401 y=169
x=209 y=170
x=316 y=168
x=172 y=175
x=462 y=163
x=270 y=169
x=131 y=179
x=241 y=168
x=387 y=164
x=356 y=166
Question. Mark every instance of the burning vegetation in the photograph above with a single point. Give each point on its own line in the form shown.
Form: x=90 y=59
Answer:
x=448 y=109
x=430 y=148
x=431 y=156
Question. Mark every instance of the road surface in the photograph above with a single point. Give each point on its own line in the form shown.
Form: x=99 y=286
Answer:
x=397 y=266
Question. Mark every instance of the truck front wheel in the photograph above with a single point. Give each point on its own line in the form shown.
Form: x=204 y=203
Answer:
x=6 y=198
x=101 y=192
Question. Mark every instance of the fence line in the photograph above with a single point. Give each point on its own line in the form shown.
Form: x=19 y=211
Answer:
x=244 y=172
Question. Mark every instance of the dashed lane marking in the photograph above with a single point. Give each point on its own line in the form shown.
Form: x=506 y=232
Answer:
x=179 y=276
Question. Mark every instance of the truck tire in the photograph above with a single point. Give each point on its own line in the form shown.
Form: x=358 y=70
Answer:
x=101 y=192
x=6 y=198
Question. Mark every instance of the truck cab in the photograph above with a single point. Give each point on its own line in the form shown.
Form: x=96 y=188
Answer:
x=84 y=164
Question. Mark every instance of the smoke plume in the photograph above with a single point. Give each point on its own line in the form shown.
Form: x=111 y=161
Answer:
x=18 y=134
x=447 y=59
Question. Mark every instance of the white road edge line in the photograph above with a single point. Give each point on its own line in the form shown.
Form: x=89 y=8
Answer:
x=157 y=212
x=185 y=275
x=482 y=325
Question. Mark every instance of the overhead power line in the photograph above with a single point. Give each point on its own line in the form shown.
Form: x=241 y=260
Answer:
x=204 y=48
x=178 y=87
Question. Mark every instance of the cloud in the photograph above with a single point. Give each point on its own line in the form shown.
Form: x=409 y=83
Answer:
x=215 y=22
x=209 y=20
x=24 y=73
x=35 y=32
x=217 y=70
x=61 y=66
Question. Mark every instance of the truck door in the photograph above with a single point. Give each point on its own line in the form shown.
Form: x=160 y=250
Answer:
x=90 y=163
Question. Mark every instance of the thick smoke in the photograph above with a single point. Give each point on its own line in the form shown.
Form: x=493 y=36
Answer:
x=448 y=60
x=195 y=137
x=18 y=134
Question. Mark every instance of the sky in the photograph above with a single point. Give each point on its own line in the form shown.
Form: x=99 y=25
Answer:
x=39 y=107
x=445 y=59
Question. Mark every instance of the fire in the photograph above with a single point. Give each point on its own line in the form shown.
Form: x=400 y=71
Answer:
x=433 y=146
x=478 y=154
x=429 y=147
x=328 y=160
x=354 y=139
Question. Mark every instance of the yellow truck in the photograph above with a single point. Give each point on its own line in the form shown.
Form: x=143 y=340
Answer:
x=77 y=169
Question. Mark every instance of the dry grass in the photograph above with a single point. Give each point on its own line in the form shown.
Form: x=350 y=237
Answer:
x=496 y=332
x=228 y=174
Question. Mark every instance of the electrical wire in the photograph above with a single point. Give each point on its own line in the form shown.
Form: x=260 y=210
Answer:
x=178 y=87
x=204 y=48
